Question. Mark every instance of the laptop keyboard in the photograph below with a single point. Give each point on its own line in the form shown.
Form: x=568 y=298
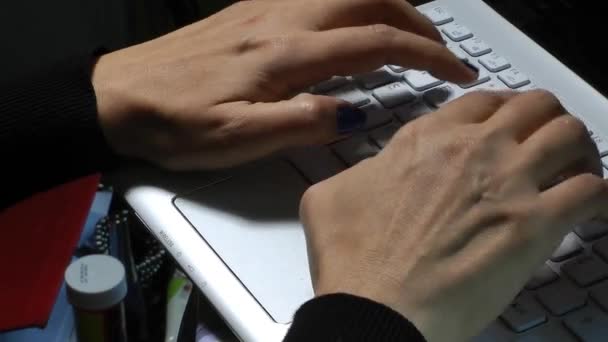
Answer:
x=567 y=299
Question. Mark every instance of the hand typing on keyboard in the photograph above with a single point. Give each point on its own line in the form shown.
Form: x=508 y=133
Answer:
x=221 y=91
x=451 y=219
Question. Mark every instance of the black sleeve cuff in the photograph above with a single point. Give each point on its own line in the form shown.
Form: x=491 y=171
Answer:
x=49 y=130
x=346 y=318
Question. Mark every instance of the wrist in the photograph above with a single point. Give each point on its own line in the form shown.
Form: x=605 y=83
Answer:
x=113 y=104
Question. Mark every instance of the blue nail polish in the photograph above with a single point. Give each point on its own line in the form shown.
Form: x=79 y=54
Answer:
x=350 y=119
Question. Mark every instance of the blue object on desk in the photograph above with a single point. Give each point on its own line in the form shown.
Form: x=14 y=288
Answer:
x=61 y=322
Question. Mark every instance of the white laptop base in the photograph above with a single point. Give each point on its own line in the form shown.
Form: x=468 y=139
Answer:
x=238 y=237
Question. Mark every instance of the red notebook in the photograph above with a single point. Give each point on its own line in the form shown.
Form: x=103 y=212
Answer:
x=38 y=239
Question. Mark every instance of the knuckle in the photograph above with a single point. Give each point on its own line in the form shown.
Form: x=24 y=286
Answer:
x=546 y=97
x=312 y=110
x=576 y=128
x=520 y=220
x=308 y=199
x=592 y=182
x=382 y=33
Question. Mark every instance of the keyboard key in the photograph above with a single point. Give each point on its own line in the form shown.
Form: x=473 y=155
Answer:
x=351 y=94
x=374 y=79
x=376 y=116
x=438 y=16
x=529 y=87
x=481 y=79
x=316 y=163
x=383 y=135
x=591 y=230
x=599 y=294
x=412 y=111
x=568 y=248
x=542 y=277
x=601 y=248
x=495 y=332
x=476 y=47
x=494 y=62
x=456 y=32
x=331 y=84
x=396 y=68
x=458 y=52
x=437 y=97
x=421 y=80
x=588 y=324
x=393 y=95
x=523 y=314
x=550 y=332
x=513 y=78
x=561 y=297
x=355 y=149
x=586 y=270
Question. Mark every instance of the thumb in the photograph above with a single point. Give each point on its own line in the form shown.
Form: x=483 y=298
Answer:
x=305 y=120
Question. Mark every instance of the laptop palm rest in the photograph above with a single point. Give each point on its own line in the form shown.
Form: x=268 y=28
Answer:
x=251 y=222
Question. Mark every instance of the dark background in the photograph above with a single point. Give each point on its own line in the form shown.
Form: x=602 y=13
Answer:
x=33 y=32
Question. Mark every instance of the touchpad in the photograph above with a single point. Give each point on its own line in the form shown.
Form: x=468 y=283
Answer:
x=251 y=222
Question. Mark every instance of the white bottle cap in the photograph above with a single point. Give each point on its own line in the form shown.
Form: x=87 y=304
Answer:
x=96 y=282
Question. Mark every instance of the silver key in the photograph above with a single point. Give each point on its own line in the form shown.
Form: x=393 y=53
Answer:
x=550 y=332
x=458 y=52
x=514 y=78
x=601 y=248
x=438 y=16
x=560 y=297
x=523 y=314
x=421 y=80
x=482 y=78
x=383 y=135
x=476 y=47
x=412 y=111
x=439 y=96
x=351 y=94
x=599 y=294
x=495 y=332
x=374 y=79
x=355 y=149
x=586 y=270
x=588 y=324
x=494 y=62
x=456 y=32
x=568 y=248
x=396 y=68
x=542 y=277
x=591 y=230
x=331 y=84
x=316 y=163
x=393 y=95
x=376 y=116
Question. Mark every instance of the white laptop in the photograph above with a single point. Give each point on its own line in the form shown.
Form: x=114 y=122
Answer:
x=237 y=235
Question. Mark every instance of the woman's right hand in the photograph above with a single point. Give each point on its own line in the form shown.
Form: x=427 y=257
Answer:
x=452 y=218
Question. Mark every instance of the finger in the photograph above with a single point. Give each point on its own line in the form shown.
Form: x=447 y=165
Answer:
x=526 y=113
x=575 y=201
x=555 y=148
x=263 y=128
x=472 y=108
x=400 y=14
x=312 y=57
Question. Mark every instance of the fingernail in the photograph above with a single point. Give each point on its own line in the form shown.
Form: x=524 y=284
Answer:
x=474 y=70
x=350 y=119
